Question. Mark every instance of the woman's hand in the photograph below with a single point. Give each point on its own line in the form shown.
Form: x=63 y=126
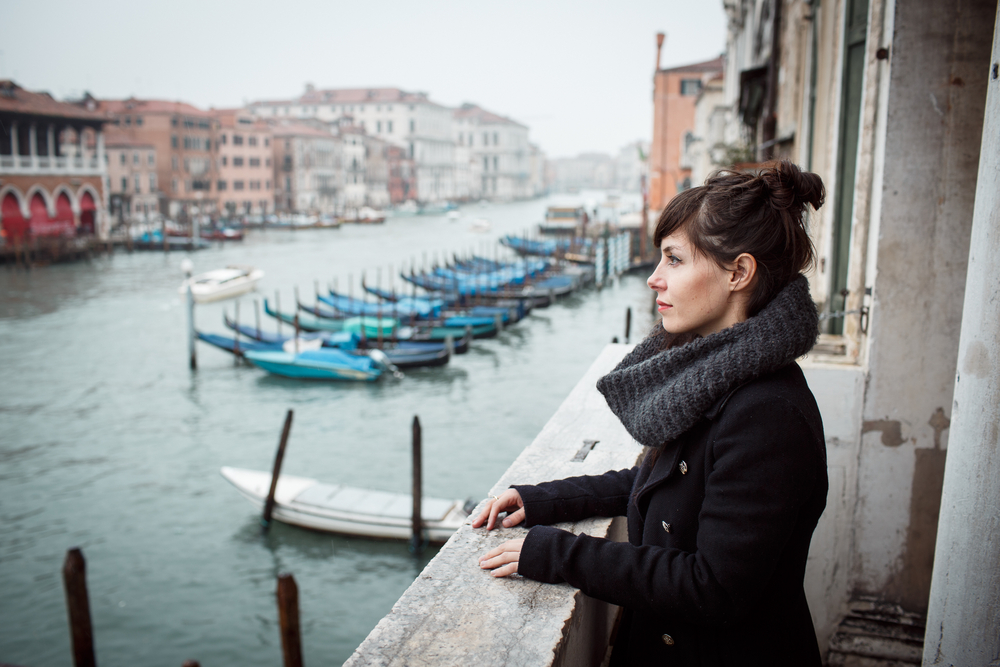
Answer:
x=503 y=559
x=507 y=499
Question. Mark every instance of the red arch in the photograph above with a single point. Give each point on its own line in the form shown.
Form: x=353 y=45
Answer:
x=14 y=225
x=64 y=211
x=88 y=214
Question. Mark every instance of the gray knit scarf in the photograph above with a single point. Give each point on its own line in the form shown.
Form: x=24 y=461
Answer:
x=659 y=393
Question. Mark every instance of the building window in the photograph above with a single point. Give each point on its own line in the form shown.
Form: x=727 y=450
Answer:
x=138 y=120
x=288 y=183
x=135 y=157
x=388 y=126
x=151 y=159
x=496 y=139
x=255 y=162
x=461 y=139
x=220 y=186
x=152 y=182
x=237 y=162
x=173 y=141
x=124 y=184
x=173 y=123
x=411 y=150
x=173 y=185
x=128 y=120
x=122 y=156
x=138 y=184
x=496 y=163
x=255 y=185
x=267 y=142
x=237 y=140
x=173 y=163
x=413 y=125
x=486 y=164
x=486 y=139
x=222 y=139
x=252 y=140
x=690 y=86
x=224 y=160
x=267 y=185
x=187 y=165
x=237 y=185
x=378 y=126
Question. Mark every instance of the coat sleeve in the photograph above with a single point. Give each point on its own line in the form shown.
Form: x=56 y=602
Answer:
x=766 y=466
x=576 y=498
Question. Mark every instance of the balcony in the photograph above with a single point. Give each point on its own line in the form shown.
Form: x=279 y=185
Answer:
x=47 y=165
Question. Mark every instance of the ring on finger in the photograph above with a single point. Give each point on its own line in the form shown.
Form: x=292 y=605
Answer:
x=495 y=497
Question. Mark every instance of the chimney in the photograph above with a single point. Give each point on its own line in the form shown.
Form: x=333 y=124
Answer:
x=659 y=47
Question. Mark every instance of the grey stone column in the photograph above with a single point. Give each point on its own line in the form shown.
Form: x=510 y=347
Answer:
x=964 y=612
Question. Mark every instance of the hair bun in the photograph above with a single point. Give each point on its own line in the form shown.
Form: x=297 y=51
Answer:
x=791 y=187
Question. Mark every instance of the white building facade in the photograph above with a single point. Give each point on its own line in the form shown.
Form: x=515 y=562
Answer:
x=496 y=151
x=408 y=120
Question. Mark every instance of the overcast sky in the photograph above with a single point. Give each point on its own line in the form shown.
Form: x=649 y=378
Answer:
x=577 y=72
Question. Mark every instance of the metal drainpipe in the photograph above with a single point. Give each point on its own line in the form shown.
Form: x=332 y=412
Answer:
x=814 y=10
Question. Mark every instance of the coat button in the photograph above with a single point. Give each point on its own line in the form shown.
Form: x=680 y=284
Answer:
x=684 y=468
x=666 y=526
x=668 y=640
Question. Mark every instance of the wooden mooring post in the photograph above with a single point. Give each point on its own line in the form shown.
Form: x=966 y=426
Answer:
x=628 y=323
x=78 y=606
x=192 y=358
x=417 y=539
x=288 y=619
x=265 y=520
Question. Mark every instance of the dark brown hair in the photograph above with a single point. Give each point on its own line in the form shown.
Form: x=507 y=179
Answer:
x=758 y=213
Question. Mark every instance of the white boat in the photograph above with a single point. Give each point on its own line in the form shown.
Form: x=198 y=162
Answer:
x=222 y=283
x=563 y=220
x=335 y=508
x=481 y=225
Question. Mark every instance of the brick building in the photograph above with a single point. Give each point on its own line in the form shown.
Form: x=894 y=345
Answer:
x=245 y=173
x=184 y=138
x=133 y=189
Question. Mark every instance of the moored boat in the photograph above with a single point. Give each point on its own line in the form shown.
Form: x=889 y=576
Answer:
x=335 y=508
x=221 y=284
x=322 y=364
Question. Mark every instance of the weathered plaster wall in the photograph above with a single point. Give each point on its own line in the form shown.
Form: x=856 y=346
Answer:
x=838 y=389
x=933 y=125
x=963 y=624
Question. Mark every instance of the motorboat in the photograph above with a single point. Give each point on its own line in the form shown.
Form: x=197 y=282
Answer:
x=221 y=284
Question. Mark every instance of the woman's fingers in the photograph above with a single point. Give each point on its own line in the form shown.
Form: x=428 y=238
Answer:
x=503 y=559
x=514 y=518
x=509 y=498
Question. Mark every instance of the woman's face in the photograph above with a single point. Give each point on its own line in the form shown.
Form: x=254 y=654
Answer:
x=693 y=293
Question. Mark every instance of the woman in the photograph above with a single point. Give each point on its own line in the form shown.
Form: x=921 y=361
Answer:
x=722 y=508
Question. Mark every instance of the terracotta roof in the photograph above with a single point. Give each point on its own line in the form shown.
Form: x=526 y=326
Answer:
x=115 y=137
x=714 y=65
x=351 y=96
x=132 y=105
x=474 y=111
x=15 y=99
x=298 y=130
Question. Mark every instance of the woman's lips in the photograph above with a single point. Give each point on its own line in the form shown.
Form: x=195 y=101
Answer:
x=660 y=306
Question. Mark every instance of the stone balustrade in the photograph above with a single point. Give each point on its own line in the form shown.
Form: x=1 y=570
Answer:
x=454 y=613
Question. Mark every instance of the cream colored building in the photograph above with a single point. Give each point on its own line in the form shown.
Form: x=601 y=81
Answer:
x=308 y=169
x=406 y=119
x=495 y=157
x=133 y=188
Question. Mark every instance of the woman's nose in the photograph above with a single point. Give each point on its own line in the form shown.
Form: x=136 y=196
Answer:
x=655 y=281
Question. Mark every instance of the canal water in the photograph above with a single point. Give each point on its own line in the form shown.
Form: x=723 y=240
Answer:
x=110 y=443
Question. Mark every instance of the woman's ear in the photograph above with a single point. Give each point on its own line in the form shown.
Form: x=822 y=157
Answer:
x=742 y=275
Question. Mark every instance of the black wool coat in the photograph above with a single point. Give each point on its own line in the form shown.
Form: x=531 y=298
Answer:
x=719 y=529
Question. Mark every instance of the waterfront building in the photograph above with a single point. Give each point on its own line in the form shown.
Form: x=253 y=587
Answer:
x=674 y=93
x=377 y=166
x=584 y=171
x=496 y=154
x=244 y=185
x=402 y=182
x=308 y=171
x=704 y=147
x=630 y=166
x=537 y=175
x=133 y=189
x=52 y=167
x=184 y=139
x=409 y=120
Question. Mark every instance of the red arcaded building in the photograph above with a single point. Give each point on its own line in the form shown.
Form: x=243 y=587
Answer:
x=52 y=168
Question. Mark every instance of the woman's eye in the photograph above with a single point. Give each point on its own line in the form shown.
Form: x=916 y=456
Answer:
x=672 y=260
